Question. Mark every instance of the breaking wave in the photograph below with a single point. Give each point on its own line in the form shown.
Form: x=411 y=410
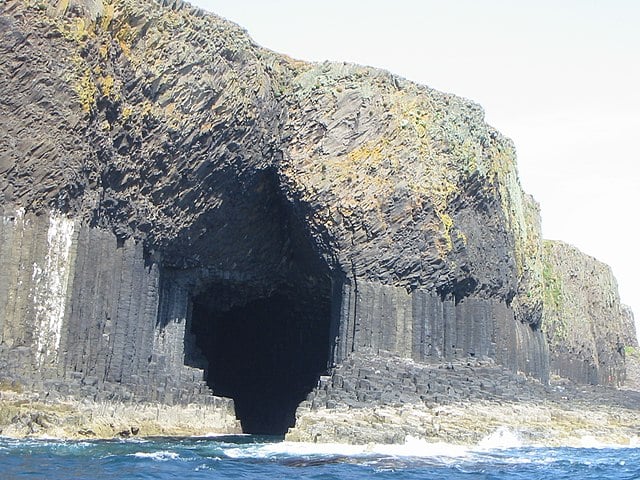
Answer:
x=500 y=455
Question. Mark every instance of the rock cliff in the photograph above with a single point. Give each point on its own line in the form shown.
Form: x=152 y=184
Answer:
x=586 y=326
x=187 y=215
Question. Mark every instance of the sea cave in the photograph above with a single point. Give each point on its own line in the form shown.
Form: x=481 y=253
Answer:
x=264 y=337
x=266 y=353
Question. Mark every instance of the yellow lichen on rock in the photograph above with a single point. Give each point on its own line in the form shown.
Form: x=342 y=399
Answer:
x=106 y=85
x=86 y=90
x=107 y=16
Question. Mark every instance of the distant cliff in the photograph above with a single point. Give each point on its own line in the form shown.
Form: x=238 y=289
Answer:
x=186 y=213
x=586 y=326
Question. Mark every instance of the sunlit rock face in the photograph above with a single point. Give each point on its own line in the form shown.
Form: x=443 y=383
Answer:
x=587 y=327
x=187 y=215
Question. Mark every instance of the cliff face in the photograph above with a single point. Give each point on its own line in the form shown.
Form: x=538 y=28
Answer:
x=586 y=326
x=186 y=213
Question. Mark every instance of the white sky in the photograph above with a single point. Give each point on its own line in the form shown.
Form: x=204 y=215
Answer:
x=560 y=77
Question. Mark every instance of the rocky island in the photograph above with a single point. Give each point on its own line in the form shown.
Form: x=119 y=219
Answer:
x=201 y=235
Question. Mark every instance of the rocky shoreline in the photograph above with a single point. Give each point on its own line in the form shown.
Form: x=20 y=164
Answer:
x=495 y=400
x=377 y=399
x=31 y=416
x=573 y=423
x=546 y=423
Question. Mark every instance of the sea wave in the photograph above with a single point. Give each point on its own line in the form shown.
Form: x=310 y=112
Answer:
x=591 y=442
x=257 y=457
x=413 y=447
x=499 y=442
x=218 y=435
x=502 y=438
x=161 y=456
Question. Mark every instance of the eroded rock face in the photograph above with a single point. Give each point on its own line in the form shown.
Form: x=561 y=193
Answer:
x=184 y=130
x=165 y=181
x=586 y=325
x=456 y=402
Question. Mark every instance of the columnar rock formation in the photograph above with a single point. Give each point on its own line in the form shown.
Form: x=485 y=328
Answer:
x=186 y=214
x=586 y=326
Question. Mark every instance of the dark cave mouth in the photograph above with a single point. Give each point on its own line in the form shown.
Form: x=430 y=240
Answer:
x=266 y=353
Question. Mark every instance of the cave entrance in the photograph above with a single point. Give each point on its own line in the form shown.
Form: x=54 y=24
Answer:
x=266 y=353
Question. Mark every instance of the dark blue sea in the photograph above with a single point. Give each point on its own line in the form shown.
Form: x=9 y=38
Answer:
x=254 y=457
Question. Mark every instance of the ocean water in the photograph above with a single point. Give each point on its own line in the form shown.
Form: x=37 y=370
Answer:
x=252 y=457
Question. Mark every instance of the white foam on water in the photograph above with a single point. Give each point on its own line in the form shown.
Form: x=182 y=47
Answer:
x=134 y=440
x=204 y=467
x=52 y=438
x=413 y=447
x=502 y=438
x=161 y=456
x=589 y=441
x=417 y=447
x=216 y=434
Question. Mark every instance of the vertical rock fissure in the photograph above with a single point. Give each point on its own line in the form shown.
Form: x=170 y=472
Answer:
x=355 y=306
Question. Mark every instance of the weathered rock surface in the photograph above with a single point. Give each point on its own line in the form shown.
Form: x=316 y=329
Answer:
x=32 y=415
x=542 y=423
x=186 y=214
x=582 y=292
x=388 y=399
